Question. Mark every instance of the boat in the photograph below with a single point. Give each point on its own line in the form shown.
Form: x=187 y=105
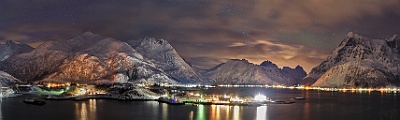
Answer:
x=251 y=104
x=34 y=102
x=176 y=103
x=281 y=102
x=205 y=103
x=299 y=98
x=58 y=97
x=169 y=101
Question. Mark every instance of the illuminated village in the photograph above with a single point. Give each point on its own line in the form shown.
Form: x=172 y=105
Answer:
x=164 y=93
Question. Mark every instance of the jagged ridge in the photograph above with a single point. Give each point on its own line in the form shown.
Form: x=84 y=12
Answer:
x=237 y=71
x=359 y=62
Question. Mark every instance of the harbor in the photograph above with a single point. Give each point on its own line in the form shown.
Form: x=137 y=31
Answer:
x=129 y=92
x=197 y=99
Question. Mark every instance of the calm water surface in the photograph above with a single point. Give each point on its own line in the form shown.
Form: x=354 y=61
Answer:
x=319 y=105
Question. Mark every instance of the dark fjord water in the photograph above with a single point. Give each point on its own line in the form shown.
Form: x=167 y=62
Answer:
x=319 y=105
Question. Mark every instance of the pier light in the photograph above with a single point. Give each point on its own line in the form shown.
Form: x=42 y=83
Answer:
x=260 y=97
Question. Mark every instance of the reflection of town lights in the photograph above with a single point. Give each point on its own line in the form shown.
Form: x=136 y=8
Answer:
x=260 y=97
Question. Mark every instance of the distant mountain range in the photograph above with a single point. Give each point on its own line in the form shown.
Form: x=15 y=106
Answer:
x=237 y=71
x=359 y=62
x=92 y=58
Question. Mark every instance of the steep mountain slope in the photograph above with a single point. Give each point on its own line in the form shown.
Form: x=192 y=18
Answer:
x=359 y=62
x=164 y=56
x=6 y=79
x=85 y=58
x=242 y=71
x=38 y=63
x=12 y=48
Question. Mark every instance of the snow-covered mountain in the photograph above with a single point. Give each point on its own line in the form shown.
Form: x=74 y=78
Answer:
x=36 y=64
x=164 y=56
x=359 y=62
x=6 y=79
x=11 y=48
x=92 y=58
x=237 y=71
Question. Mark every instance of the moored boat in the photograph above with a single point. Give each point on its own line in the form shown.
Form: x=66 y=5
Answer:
x=171 y=101
x=281 y=102
x=299 y=98
x=58 y=97
x=34 y=102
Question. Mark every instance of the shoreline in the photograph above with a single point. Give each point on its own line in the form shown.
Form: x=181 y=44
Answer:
x=102 y=96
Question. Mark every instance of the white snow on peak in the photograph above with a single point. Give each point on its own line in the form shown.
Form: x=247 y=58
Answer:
x=11 y=48
x=165 y=57
x=91 y=57
x=376 y=57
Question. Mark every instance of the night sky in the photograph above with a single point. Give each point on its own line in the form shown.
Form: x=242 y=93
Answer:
x=208 y=32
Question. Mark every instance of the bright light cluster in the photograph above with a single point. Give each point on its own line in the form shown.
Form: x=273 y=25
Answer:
x=235 y=99
x=260 y=98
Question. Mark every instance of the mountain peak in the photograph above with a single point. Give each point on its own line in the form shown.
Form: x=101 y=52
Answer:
x=10 y=43
x=84 y=40
x=150 y=40
x=268 y=63
x=298 y=67
x=240 y=71
x=238 y=60
x=88 y=33
x=358 y=61
x=352 y=35
x=352 y=39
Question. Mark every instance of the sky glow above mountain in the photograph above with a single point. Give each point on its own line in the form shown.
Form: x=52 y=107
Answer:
x=208 y=32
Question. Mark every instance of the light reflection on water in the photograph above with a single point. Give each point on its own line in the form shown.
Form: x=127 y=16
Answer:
x=164 y=111
x=84 y=111
x=219 y=112
x=1 y=114
x=317 y=106
x=236 y=113
x=261 y=113
x=200 y=113
x=213 y=112
x=306 y=107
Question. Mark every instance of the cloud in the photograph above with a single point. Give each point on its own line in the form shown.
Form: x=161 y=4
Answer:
x=13 y=36
x=256 y=52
